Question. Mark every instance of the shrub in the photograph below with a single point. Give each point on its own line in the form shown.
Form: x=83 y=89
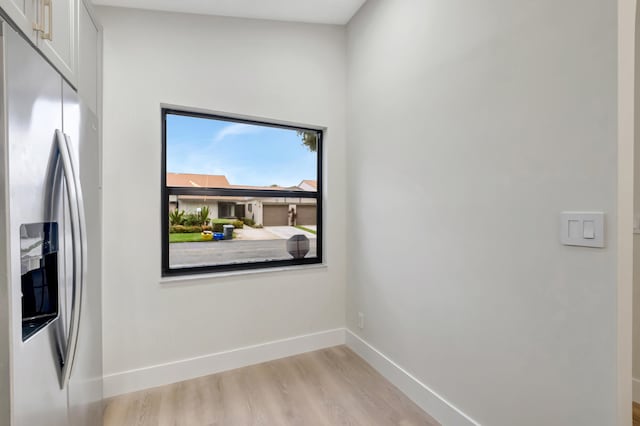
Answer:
x=177 y=229
x=181 y=229
x=191 y=219
x=203 y=215
x=176 y=217
x=248 y=221
x=197 y=218
x=218 y=223
x=193 y=229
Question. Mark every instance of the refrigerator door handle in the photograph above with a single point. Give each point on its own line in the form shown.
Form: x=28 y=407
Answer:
x=77 y=221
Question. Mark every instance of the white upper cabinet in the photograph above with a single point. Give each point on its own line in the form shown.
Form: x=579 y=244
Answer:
x=52 y=25
x=23 y=14
x=57 y=35
x=66 y=32
x=88 y=60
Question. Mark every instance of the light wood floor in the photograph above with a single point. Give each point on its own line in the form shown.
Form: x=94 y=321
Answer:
x=636 y=414
x=329 y=387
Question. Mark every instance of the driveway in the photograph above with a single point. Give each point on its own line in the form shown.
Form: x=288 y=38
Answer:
x=286 y=232
x=253 y=234
x=234 y=251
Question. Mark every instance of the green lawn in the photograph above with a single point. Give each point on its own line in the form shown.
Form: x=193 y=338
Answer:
x=185 y=238
x=306 y=229
x=190 y=238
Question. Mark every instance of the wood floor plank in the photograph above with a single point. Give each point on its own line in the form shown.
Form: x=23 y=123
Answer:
x=300 y=399
x=329 y=387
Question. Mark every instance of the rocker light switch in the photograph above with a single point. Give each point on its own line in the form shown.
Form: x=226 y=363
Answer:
x=588 y=230
x=584 y=229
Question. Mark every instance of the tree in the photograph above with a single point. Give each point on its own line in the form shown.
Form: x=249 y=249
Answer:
x=309 y=139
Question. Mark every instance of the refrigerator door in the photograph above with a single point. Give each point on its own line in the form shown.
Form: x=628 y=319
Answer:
x=37 y=232
x=5 y=304
x=85 y=388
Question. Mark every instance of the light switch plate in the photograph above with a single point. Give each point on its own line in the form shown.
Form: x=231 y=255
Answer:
x=584 y=229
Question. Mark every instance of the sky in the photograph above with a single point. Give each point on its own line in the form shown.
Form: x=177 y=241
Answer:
x=246 y=154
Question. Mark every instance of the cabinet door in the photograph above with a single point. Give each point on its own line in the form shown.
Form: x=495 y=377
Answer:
x=23 y=14
x=58 y=41
x=88 y=59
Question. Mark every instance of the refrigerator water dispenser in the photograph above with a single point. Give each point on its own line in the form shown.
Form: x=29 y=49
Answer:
x=39 y=270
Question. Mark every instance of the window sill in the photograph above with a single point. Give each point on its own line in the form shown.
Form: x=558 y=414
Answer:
x=176 y=280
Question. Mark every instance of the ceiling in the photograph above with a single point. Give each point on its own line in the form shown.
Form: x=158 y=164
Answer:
x=312 y=11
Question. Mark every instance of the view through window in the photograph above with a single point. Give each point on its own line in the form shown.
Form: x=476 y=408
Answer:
x=239 y=194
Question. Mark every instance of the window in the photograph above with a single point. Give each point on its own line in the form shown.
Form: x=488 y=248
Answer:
x=238 y=194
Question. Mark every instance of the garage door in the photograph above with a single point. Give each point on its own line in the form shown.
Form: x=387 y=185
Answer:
x=306 y=215
x=275 y=215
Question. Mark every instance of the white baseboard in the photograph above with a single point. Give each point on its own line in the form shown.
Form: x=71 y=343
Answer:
x=177 y=371
x=432 y=403
x=636 y=390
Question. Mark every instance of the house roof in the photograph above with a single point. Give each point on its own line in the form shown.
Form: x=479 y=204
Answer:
x=220 y=181
x=272 y=187
x=197 y=181
x=311 y=183
x=205 y=198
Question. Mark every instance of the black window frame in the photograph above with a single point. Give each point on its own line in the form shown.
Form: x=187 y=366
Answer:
x=167 y=271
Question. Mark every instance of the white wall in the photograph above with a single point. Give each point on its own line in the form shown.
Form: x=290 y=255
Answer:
x=636 y=304
x=627 y=77
x=490 y=117
x=636 y=236
x=270 y=70
x=636 y=266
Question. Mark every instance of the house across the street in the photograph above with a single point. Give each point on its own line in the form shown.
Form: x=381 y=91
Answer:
x=274 y=211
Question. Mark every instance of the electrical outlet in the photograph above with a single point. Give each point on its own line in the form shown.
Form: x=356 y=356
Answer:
x=360 y=320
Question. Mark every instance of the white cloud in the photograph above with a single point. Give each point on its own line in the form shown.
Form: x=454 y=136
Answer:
x=234 y=130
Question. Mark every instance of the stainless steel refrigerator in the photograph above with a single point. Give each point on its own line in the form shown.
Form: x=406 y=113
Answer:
x=50 y=226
